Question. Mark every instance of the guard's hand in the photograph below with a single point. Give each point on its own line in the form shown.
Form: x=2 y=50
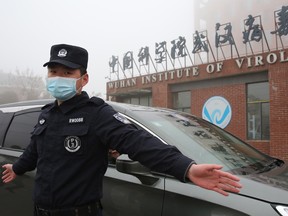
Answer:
x=8 y=174
x=210 y=176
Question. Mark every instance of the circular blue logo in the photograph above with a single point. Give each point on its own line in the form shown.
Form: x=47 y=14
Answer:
x=217 y=110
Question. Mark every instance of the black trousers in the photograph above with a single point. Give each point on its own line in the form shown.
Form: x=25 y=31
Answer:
x=94 y=209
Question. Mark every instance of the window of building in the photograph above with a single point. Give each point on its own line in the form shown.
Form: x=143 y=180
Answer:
x=145 y=100
x=258 y=107
x=182 y=101
x=134 y=100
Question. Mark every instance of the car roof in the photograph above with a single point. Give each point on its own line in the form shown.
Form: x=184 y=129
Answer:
x=120 y=107
x=22 y=105
x=27 y=103
x=124 y=107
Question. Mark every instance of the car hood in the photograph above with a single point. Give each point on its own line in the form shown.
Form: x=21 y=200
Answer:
x=271 y=186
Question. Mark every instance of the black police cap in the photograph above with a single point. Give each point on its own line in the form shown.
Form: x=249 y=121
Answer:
x=71 y=56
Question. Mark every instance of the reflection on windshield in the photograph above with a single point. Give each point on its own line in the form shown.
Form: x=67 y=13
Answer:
x=204 y=142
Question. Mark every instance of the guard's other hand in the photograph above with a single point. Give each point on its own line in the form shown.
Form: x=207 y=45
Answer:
x=8 y=174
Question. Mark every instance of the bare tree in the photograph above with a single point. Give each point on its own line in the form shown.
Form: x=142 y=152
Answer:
x=8 y=97
x=29 y=86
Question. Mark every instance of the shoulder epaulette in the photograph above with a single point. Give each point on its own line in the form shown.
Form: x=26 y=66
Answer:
x=47 y=105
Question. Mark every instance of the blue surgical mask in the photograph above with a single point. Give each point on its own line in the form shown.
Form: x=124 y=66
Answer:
x=62 y=88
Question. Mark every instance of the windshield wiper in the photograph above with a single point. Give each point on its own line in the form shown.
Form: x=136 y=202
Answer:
x=259 y=167
x=271 y=165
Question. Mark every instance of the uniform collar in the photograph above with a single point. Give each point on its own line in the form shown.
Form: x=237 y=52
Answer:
x=66 y=106
x=74 y=102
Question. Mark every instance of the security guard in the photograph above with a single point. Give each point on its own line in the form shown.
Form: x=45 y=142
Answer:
x=70 y=144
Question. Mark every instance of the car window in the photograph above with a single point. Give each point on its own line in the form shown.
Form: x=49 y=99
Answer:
x=201 y=140
x=19 y=132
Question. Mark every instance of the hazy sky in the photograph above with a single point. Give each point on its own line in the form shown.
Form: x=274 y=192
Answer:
x=104 y=28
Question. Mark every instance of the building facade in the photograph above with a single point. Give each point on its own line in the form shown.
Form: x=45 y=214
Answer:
x=244 y=93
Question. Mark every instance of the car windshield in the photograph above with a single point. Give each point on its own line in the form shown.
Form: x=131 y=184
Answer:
x=203 y=141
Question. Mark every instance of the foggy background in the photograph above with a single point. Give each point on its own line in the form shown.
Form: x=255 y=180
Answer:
x=105 y=28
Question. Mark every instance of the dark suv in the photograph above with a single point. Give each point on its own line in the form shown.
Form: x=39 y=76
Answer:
x=131 y=189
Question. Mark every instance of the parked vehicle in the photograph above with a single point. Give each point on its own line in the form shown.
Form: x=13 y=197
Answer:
x=131 y=189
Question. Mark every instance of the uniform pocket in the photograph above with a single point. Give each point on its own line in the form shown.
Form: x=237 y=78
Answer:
x=76 y=130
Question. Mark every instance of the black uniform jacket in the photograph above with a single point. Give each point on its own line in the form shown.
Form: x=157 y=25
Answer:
x=69 y=146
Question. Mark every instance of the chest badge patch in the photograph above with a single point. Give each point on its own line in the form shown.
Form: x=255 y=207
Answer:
x=72 y=143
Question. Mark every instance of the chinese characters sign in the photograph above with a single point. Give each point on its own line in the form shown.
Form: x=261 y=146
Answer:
x=252 y=33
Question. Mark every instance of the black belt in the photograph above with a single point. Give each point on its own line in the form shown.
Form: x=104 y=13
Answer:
x=90 y=209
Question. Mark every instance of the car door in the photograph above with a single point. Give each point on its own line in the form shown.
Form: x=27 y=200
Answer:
x=16 y=197
x=129 y=194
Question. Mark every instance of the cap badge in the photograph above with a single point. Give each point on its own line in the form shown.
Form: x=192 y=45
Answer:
x=62 y=53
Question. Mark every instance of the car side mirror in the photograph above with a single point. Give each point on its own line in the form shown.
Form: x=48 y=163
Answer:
x=125 y=165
